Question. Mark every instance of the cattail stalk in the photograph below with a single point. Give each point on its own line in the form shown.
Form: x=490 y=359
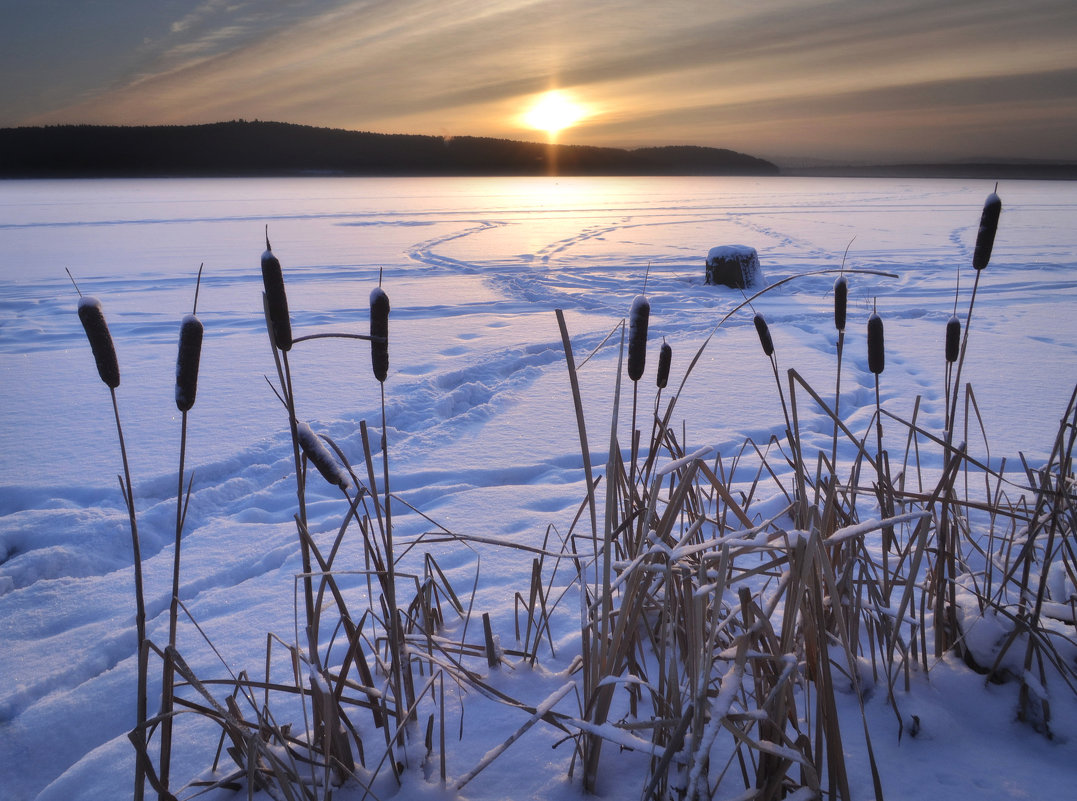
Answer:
x=665 y=359
x=985 y=240
x=395 y=630
x=763 y=330
x=379 y=359
x=953 y=339
x=877 y=363
x=188 y=356
x=276 y=299
x=104 y=352
x=841 y=302
x=638 y=320
x=379 y=333
x=318 y=454
x=946 y=632
x=985 y=236
x=301 y=497
x=767 y=343
x=141 y=710
x=278 y=324
x=876 y=350
x=953 y=350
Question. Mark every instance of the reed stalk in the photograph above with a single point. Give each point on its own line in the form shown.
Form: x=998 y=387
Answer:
x=187 y=360
x=841 y=300
x=104 y=352
x=946 y=627
x=140 y=606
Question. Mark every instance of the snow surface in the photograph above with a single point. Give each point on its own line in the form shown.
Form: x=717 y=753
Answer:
x=481 y=431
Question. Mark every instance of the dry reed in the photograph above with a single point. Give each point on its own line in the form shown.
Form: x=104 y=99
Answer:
x=104 y=352
x=716 y=636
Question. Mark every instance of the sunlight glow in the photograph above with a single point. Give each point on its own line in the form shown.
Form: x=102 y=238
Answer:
x=554 y=111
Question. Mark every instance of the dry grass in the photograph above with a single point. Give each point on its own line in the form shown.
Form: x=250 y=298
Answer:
x=719 y=635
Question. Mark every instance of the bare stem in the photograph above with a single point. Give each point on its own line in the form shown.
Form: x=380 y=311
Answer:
x=140 y=606
x=395 y=633
x=168 y=679
x=301 y=495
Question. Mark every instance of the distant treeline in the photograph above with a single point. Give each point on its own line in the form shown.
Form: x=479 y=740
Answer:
x=242 y=148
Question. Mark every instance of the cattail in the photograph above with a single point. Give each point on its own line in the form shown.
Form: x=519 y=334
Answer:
x=190 y=350
x=379 y=333
x=841 y=300
x=638 y=318
x=876 y=351
x=665 y=357
x=104 y=352
x=318 y=454
x=953 y=339
x=764 y=334
x=985 y=237
x=276 y=299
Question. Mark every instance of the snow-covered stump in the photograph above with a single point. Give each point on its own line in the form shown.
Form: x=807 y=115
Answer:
x=733 y=265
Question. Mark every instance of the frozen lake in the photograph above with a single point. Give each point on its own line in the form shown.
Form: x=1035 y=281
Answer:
x=480 y=420
x=475 y=267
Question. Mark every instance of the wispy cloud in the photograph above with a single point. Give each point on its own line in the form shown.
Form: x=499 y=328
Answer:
x=730 y=74
x=199 y=15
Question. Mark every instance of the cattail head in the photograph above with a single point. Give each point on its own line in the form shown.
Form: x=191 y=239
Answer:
x=276 y=299
x=319 y=455
x=841 y=300
x=638 y=319
x=665 y=357
x=985 y=237
x=876 y=351
x=190 y=350
x=953 y=339
x=379 y=333
x=764 y=334
x=104 y=352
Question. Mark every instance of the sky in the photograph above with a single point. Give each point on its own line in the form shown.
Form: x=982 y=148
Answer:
x=842 y=80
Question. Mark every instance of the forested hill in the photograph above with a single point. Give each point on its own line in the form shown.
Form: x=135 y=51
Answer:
x=243 y=148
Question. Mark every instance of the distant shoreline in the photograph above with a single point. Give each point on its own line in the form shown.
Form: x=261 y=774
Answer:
x=272 y=149
x=241 y=148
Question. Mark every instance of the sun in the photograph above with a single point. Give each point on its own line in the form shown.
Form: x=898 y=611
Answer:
x=554 y=111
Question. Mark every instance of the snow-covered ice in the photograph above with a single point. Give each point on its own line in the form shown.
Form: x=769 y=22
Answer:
x=480 y=423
